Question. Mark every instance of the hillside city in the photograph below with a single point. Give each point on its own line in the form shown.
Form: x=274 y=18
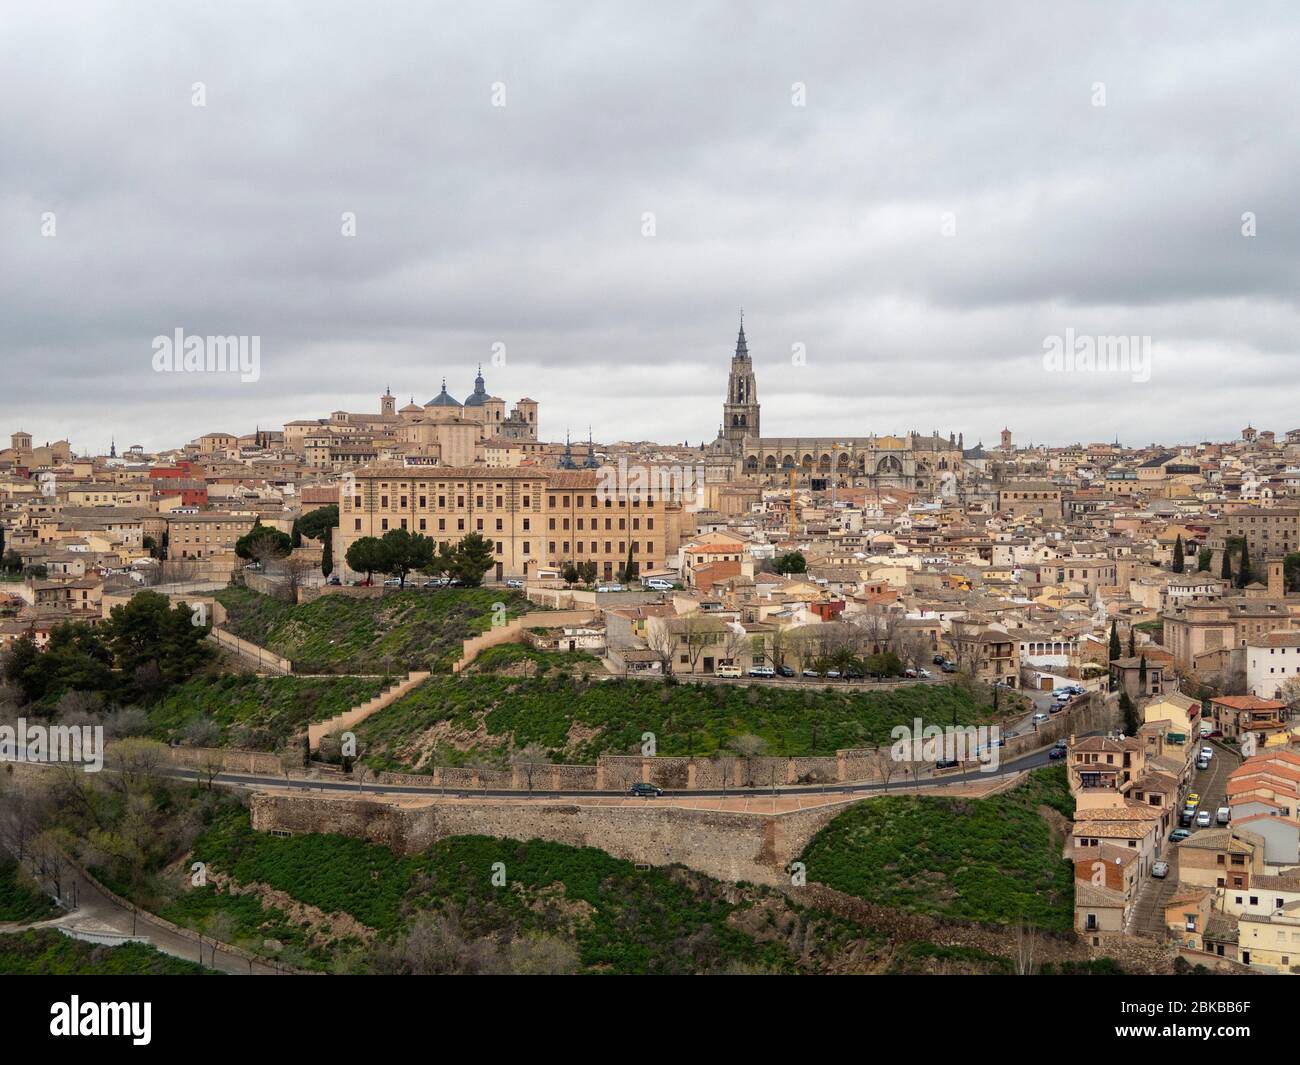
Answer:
x=438 y=687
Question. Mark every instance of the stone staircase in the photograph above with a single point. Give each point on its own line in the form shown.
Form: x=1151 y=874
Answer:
x=350 y=718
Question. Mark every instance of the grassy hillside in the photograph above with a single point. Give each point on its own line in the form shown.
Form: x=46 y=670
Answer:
x=560 y=909
x=47 y=952
x=257 y=712
x=449 y=722
x=19 y=899
x=994 y=860
x=411 y=629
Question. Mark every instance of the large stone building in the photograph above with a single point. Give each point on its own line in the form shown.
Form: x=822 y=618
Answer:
x=536 y=519
x=916 y=462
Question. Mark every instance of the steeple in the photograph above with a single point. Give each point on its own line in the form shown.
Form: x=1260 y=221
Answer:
x=740 y=406
x=742 y=349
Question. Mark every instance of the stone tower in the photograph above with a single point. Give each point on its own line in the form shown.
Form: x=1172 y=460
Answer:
x=740 y=409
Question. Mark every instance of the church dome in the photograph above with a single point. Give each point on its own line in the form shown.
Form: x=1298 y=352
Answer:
x=442 y=399
x=479 y=396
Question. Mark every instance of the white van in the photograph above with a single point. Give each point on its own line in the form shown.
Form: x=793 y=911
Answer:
x=658 y=584
x=731 y=672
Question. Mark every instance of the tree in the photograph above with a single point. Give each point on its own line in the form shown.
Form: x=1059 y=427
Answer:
x=570 y=573
x=1291 y=572
x=1114 y=642
x=1180 y=553
x=1142 y=675
x=1226 y=571
x=473 y=557
x=791 y=562
x=530 y=757
x=1132 y=640
x=629 y=570
x=367 y=555
x=1244 y=576
x=405 y=552
x=327 y=552
x=262 y=543
x=1129 y=712
x=1203 y=558
x=316 y=523
x=662 y=641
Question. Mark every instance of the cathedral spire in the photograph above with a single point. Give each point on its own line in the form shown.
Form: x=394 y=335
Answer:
x=742 y=349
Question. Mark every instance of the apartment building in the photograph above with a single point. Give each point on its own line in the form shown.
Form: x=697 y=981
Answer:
x=1268 y=531
x=1271 y=661
x=200 y=536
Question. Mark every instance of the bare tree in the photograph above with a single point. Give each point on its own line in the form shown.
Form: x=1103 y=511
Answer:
x=663 y=642
x=882 y=761
x=698 y=633
x=528 y=758
x=735 y=641
x=1026 y=961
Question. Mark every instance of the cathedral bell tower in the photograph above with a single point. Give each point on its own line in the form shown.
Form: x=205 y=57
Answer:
x=740 y=409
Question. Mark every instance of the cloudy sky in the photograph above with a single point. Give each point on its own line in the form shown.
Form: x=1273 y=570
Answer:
x=914 y=197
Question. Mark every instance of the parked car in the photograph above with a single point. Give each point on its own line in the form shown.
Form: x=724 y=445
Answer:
x=938 y=660
x=1062 y=745
x=1207 y=753
x=948 y=667
x=393 y=582
x=657 y=584
x=1039 y=718
x=947 y=763
x=609 y=587
x=910 y=674
x=924 y=674
x=334 y=580
x=1187 y=817
x=1203 y=819
x=1202 y=764
x=811 y=673
x=731 y=672
x=763 y=672
x=1160 y=870
x=832 y=674
x=645 y=790
x=514 y=582
x=785 y=671
x=854 y=674
x=1206 y=730
x=1178 y=835
x=1224 y=815
x=1193 y=799
x=1055 y=754
x=1056 y=708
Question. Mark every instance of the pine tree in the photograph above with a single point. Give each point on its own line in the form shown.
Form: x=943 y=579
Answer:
x=1180 y=553
x=1114 y=642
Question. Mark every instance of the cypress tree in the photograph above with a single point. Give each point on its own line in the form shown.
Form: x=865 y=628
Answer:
x=1226 y=572
x=1114 y=642
x=1243 y=567
x=1180 y=553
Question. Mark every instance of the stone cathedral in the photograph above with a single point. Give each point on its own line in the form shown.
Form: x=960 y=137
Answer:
x=928 y=464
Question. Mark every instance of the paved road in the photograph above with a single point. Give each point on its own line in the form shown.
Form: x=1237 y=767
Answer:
x=102 y=919
x=1212 y=784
